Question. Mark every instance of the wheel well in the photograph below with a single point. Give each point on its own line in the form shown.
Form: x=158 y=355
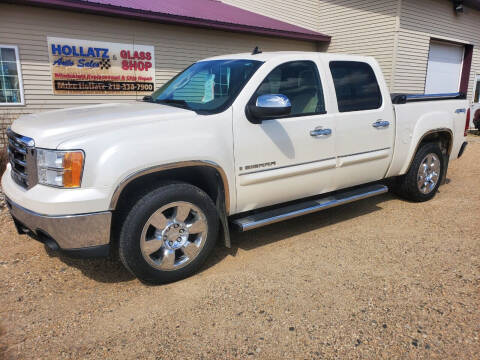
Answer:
x=443 y=138
x=207 y=178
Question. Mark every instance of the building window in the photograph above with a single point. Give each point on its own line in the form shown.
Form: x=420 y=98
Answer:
x=11 y=89
x=356 y=86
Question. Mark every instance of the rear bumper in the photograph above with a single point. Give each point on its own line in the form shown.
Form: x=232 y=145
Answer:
x=84 y=235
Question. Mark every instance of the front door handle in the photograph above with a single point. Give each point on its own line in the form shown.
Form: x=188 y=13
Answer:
x=320 y=132
x=381 y=124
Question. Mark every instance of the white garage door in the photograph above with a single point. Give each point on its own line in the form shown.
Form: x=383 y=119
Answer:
x=444 y=68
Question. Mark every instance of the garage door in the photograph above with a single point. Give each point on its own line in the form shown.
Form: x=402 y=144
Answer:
x=444 y=68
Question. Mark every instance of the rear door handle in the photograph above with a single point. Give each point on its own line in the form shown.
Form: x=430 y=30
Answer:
x=381 y=124
x=320 y=132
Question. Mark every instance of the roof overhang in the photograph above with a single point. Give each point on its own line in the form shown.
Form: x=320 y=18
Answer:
x=254 y=25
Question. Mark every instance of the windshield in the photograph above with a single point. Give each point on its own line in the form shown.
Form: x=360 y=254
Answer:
x=207 y=86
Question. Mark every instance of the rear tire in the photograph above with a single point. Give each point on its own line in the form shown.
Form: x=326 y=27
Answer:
x=422 y=180
x=168 y=233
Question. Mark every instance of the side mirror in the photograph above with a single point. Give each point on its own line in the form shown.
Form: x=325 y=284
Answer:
x=269 y=106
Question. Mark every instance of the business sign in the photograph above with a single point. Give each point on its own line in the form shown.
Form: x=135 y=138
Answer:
x=105 y=68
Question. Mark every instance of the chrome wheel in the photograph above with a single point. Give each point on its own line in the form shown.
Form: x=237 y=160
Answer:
x=174 y=236
x=428 y=173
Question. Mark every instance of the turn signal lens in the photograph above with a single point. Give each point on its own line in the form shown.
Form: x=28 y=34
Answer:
x=72 y=169
x=60 y=168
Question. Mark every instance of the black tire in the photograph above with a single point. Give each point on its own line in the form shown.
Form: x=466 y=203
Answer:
x=129 y=247
x=406 y=185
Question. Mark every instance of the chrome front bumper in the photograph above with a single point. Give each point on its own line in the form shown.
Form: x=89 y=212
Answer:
x=87 y=233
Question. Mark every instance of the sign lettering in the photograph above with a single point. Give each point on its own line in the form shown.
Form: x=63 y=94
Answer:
x=93 y=67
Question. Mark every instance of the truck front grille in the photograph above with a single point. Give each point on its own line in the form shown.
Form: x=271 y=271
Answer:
x=21 y=154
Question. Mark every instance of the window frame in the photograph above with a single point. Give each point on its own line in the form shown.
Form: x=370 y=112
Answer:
x=320 y=85
x=382 y=100
x=19 y=75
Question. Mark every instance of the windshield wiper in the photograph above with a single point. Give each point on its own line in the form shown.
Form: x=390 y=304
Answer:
x=178 y=103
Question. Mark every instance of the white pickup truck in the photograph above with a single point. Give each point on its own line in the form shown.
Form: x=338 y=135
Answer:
x=243 y=140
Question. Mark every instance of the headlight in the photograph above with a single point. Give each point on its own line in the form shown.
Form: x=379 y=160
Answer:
x=60 y=168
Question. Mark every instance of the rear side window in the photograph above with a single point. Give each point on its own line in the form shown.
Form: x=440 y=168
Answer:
x=356 y=86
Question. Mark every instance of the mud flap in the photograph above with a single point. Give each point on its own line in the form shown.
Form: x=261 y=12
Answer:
x=222 y=213
x=446 y=160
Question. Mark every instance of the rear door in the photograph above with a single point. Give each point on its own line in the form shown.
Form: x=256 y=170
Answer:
x=365 y=126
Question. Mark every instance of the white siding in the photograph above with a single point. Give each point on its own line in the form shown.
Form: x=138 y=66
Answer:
x=302 y=13
x=363 y=27
x=419 y=22
x=176 y=47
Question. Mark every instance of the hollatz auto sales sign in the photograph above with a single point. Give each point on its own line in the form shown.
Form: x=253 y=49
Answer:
x=93 y=67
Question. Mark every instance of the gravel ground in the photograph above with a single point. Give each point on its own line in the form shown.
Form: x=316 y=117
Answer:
x=380 y=278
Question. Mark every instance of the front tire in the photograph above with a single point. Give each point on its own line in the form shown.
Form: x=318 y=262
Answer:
x=168 y=233
x=422 y=180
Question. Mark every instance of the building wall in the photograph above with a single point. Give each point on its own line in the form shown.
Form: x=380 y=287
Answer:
x=302 y=13
x=396 y=32
x=363 y=27
x=176 y=47
x=420 y=21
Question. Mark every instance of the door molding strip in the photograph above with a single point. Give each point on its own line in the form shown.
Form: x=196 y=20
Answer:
x=286 y=166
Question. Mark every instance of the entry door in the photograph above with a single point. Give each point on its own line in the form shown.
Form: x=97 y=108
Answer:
x=365 y=127
x=476 y=104
x=476 y=96
x=444 y=68
x=286 y=158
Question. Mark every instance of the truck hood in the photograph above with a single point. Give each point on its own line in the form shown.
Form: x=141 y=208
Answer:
x=50 y=129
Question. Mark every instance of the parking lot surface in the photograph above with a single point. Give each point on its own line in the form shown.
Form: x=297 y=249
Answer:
x=380 y=278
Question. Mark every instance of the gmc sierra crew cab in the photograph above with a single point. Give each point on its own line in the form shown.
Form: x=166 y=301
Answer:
x=237 y=141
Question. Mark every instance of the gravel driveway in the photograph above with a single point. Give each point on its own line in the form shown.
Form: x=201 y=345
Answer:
x=380 y=278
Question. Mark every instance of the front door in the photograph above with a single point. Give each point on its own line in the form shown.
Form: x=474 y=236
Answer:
x=365 y=123
x=286 y=158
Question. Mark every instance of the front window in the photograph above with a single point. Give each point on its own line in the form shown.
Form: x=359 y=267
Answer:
x=10 y=77
x=299 y=81
x=207 y=86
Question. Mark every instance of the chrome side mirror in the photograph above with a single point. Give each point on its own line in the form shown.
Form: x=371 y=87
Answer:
x=269 y=106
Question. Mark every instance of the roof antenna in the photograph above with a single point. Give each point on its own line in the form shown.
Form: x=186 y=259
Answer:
x=256 y=51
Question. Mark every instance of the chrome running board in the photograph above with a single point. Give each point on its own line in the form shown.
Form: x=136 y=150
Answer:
x=291 y=211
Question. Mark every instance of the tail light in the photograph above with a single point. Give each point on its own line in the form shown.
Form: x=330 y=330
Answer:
x=467 y=123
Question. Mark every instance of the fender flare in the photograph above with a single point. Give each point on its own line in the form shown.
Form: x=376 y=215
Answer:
x=223 y=200
x=176 y=165
x=430 y=132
